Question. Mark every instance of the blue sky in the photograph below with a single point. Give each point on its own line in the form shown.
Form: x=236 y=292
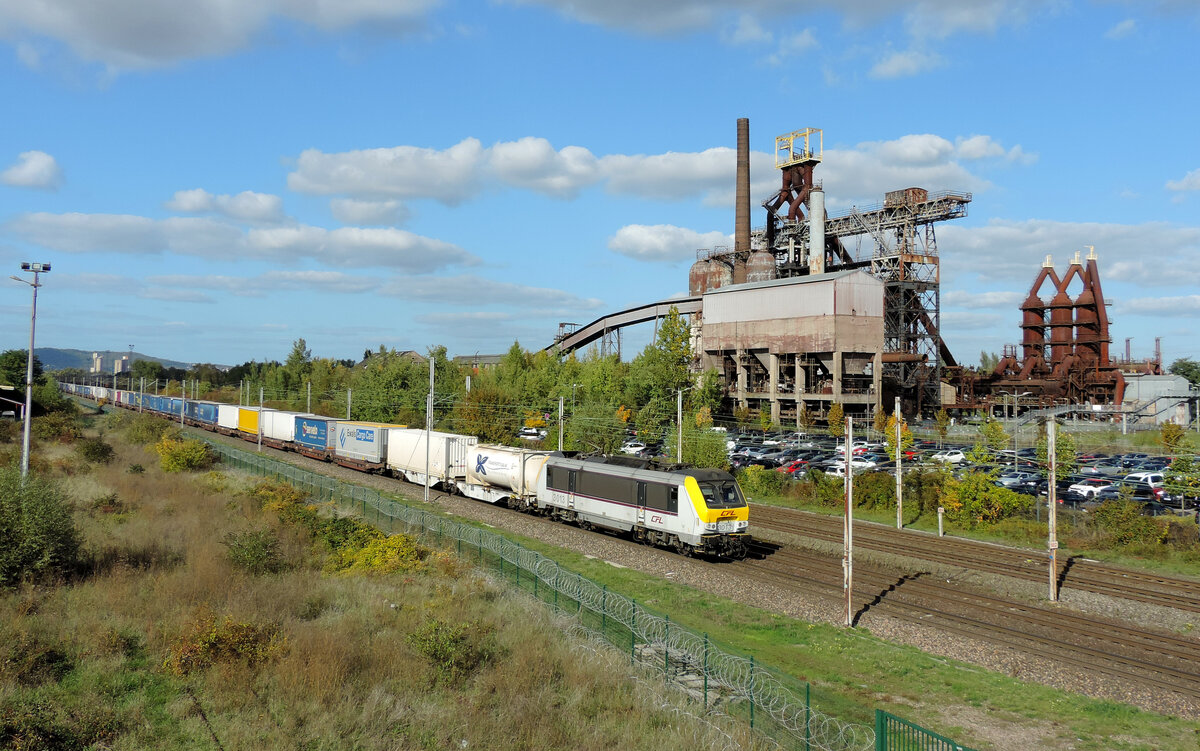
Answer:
x=213 y=180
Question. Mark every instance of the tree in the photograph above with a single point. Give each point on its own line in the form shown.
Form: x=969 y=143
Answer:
x=880 y=420
x=298 y=364
x=741 y=416
x=993 y=435
x=594 y=427
x=1172 y=437
x=151 y=370
x=805 y=420
x=1188 y=368
x=764 y=418
x=942 y=425
x=837 y=421
x=703 y=447
x=14 y=364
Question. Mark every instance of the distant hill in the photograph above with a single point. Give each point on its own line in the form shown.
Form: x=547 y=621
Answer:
x=58 y=359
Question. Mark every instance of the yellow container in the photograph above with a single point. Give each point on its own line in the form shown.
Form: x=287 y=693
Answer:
x=248 y=420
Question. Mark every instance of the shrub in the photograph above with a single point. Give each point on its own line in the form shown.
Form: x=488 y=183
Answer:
x=29 y=724
x=37 y=535
x=56 y=426
x=757 y=481
x=456 y=651
x=95 y=450
x=32 y=661
x=974 y=500
x=384 y=556
x=256 y=552
x=211 y=640
x=146 y=428
x=135 y=469
x=108 y=504
x=1124 y=525
x=179 y=454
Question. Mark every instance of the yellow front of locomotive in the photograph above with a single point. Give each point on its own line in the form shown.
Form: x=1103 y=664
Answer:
x=722 y=513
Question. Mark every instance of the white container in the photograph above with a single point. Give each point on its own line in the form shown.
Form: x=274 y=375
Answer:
x=363 y=441
x=448 y=453
x=227 y=416
x=279 y=425
x=515 y=469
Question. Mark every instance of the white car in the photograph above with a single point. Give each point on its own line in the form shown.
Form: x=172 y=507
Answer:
x=531 y=434
x=950 y=456
x=633 y=447
x=1090 y=487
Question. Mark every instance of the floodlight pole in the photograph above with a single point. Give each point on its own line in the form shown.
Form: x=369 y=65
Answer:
x=848 y=534
x=1051 y=493
x=428 y=425
x=37 y=269
x=899 y=482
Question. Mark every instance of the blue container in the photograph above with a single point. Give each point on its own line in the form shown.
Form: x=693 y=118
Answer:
x=316 y=432
x=205 y=412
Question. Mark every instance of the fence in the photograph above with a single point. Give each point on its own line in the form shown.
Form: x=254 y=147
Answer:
x=895 y=734
x=715 y=678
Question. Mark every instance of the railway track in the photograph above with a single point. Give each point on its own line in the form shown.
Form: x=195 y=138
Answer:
x=1158 y=660
x=1074 y=572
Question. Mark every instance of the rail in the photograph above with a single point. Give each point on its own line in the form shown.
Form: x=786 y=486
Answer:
x=715 y=678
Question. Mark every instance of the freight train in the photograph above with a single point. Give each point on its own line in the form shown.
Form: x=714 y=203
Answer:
x=688 y=510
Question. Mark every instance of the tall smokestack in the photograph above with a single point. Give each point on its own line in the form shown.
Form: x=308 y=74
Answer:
x=816 y=231
x=741 y=224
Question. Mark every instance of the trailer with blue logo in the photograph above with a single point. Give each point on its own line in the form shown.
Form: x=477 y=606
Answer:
x=361 y=445
x=315 y=436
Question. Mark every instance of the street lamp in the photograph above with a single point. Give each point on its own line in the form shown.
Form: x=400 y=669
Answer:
x=37 y=269
x=1011 y=414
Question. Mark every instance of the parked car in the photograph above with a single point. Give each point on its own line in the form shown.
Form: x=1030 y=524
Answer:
x=531 y=434
x=633 y=447
x=1012 y=479
x=1090 y=487
x=950 y=456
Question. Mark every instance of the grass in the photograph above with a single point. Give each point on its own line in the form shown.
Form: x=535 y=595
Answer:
x=165 y=640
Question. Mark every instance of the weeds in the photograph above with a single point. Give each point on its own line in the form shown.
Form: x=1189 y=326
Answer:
x=455 y=650
x=144 y=428
x=56 y=426
x=255 y=552
x=31 y=660
x=135 y=469
x=211 y=640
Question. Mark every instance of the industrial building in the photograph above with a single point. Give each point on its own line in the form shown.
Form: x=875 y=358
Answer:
x=808 y=342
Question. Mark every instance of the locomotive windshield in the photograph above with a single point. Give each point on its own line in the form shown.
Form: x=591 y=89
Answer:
x=724 y=494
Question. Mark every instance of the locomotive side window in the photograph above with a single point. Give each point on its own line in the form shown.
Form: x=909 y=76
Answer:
x=571 y=481
x=608 y=487
x=641 y=499
x=673 y=500
x=659 y=497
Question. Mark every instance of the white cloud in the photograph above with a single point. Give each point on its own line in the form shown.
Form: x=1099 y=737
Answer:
x=533 y=163
x=906 y=63
x=209 y=238
x=29 y=56
x=151 y=33
x=369 y=213
x=1014 y=251
x=1184 y=305
x=1121 y=30
x=458 y=173
x=454 y=289
x=33 y=169
x=956 y=320
x=995 y=299
x=1190 y=181
x=663 y=242
x=450 y=176
x=246 y=206
x=793 y=45
x=747 y=30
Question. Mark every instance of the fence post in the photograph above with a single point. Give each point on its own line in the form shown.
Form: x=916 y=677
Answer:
x=807 y=715
x=632 y=633
x=666 y=646
x=706 y=672
x=880 y=731
x=752 y=692
x=604 y=610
